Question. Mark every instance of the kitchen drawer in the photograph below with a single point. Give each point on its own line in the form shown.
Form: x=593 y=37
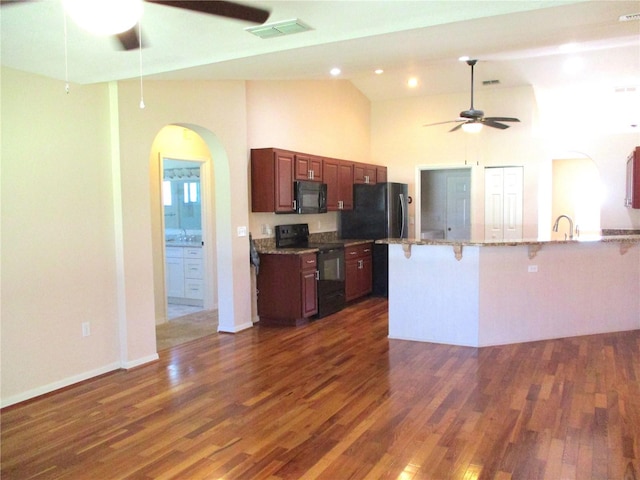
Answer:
x=194 y=289
x=357 y=251
x=193 y=268
x=174 y=252
x=308 y=261
x=193 y=252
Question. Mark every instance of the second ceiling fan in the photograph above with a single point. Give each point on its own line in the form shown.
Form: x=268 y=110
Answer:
x=475 y=118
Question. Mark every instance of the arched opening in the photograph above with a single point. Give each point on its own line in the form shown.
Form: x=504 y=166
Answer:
x=577 y=193
x=191 y=142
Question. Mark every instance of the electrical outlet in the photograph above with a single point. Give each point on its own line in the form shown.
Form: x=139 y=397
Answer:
x=86 y=329
x=532 y=268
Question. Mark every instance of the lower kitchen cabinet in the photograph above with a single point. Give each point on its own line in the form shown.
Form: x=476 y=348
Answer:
x=358 y=271
x=287 y=288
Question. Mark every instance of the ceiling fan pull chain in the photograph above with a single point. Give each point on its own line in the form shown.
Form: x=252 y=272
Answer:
x=142 y=105
x=66 y=55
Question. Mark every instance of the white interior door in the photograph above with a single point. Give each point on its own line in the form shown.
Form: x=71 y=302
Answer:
x=513 y=186
x=493 y=203
x=503 y=203
x=458 y=207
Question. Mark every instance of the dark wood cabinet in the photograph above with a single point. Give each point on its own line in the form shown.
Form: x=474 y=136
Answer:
x=308 y=167
x=338 y=175
x=364 y=173
x=272 y=180
x=274 y=171
x=381 y=174
x=287 y=288
x=632 y=198
x=358 y=271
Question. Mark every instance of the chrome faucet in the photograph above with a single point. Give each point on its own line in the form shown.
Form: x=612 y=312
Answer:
x=555 y=226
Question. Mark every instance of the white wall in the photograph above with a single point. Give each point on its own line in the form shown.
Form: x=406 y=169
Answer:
x=58 y=251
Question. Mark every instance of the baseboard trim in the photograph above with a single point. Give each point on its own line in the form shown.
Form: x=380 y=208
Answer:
x=66 y=382
x=69 y=381
x=235 y=328
x=140 y=361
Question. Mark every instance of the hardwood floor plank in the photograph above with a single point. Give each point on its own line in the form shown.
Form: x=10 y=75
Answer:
x=337 y=399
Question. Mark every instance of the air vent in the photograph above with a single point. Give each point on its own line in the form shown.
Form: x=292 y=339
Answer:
x=629 y=18
x=490 y=82
x=630 y=89
x=279 y=29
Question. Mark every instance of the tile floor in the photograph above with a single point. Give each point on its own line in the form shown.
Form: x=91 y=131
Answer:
x=185 y=323
x=174 y=310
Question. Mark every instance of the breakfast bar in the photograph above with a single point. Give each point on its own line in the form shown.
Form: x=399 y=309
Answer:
x=482 y=293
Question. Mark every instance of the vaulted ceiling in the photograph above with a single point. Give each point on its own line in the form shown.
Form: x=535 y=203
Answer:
x=517 y=42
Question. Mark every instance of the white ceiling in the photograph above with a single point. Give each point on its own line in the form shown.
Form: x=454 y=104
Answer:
x=517 y=42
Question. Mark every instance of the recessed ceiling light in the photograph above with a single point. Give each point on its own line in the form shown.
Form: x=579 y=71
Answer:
x=412 y=82
x=335 y=71
x=378 y=71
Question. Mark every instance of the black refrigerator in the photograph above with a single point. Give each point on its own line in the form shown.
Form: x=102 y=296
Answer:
x=379 y=211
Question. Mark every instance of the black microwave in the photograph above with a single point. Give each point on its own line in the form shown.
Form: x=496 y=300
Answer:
x=310 y=197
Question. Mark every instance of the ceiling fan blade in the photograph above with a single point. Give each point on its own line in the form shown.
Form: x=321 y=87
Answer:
x=491 y=123
x=442 y=123
x=502 y=119
x=220 y=8
x=129 y=39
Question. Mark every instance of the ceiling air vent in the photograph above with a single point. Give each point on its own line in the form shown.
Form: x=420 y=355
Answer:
x=490 y=82
x=279 y=29
x=629 y=18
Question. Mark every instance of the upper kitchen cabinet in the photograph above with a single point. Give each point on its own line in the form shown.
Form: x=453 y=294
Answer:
x=308 y=167
x=272 y=172
x=364 y=173
x=632 y=198
x=369 y=174
x=338 y=175
x=381 y=174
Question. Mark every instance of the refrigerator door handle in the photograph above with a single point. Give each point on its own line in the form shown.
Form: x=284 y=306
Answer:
x=402 y=214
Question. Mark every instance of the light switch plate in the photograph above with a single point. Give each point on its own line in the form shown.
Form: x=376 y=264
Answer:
x=242 y=231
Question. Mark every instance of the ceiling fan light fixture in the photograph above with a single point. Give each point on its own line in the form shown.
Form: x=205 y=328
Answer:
x=472 y=127
x=104 y=17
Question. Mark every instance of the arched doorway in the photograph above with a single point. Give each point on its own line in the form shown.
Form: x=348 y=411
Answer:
x=576 y=192
x=194 y=142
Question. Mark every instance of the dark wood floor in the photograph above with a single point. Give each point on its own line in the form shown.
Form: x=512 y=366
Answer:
x=337 y=399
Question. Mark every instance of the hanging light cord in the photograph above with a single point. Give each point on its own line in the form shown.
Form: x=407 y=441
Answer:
x=140 y=57
x=66 y=55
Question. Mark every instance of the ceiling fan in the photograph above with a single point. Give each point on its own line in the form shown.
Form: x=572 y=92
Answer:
x=472 y=120
x=129 y=38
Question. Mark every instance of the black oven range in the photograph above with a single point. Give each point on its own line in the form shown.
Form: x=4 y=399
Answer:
x=330 y=260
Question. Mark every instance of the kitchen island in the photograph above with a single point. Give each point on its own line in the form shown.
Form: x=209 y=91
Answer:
x=482 y=293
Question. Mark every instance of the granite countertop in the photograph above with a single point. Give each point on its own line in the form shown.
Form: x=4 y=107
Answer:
x=634 y=238
x=270 y=249
x=183 y=243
